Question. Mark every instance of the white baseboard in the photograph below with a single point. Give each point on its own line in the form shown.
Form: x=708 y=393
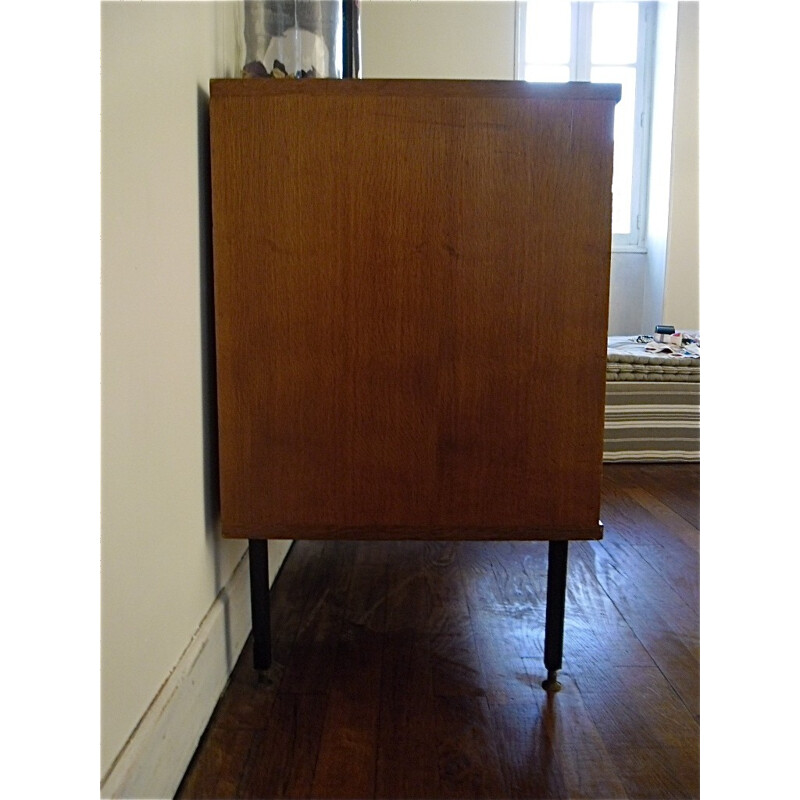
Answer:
x=154 y=760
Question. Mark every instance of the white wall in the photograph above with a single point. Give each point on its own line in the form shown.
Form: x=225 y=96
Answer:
x=681 y=288
x=476 y=39
x=660 y=166
x=163 y=563
x=444 y=39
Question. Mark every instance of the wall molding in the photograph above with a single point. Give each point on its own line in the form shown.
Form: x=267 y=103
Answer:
x=154 y=759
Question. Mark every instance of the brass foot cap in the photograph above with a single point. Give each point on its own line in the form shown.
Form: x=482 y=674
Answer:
x=551 y=684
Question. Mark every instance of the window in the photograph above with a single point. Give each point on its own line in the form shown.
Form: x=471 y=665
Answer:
x=608 y=41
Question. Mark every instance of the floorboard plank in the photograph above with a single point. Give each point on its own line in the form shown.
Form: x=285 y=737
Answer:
x=670 y=521
x=348 y=747
x=283 y=757
x=247 y=702
x=580 y=752
x=413 y=669
x=406 y=763
x=350 y=732
x=637 y=707
x=469 y=766
x=674 y=485
x=314 y=646
x=663 y=773
x=217 y=766
x=668 y=630
x=527 y=757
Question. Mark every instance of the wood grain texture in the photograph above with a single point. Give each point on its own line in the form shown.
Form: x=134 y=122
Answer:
x=411 y=294
x=413 y=669
x=217 y=768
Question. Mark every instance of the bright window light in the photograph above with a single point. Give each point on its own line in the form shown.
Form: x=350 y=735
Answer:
x=607 y=41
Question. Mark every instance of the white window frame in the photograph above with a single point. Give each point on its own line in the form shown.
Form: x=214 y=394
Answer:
x=580 y=66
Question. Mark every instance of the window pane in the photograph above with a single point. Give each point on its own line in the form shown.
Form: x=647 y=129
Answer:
x=548 y=31
x=547 y=73
x=624 y=128
x=615 y=31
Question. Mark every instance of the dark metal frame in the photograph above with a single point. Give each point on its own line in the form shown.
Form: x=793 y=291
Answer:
x=553 y=624
x=554 y=612
x=259 y=604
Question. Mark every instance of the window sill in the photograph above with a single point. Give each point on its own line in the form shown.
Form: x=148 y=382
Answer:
x=629 y=248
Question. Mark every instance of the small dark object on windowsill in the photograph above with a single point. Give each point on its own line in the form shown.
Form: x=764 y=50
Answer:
x=255 y=69
x=278 y=70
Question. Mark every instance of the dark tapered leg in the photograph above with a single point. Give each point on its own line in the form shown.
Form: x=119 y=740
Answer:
x=259 y=604
x=554 y=613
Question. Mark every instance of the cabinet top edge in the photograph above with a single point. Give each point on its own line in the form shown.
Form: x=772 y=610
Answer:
x=413 y=87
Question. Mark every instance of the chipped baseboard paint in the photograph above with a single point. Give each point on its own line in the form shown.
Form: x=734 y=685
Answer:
x=155 y=757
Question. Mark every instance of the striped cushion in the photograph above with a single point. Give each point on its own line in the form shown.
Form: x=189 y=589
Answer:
x=652 y=421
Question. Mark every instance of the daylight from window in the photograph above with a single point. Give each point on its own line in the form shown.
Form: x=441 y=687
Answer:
x=604 y=42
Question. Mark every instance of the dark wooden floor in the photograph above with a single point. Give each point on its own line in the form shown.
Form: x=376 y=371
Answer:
x=412 y=670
